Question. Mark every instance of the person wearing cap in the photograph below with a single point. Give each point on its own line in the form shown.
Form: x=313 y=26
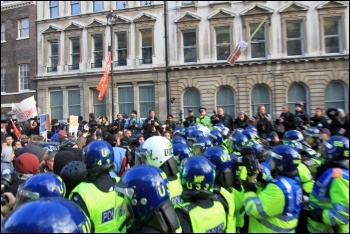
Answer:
x=302 y=119
x=242 y=121
x=133 y=123
x=190 y=118
x=325 y=134
x=204 y=118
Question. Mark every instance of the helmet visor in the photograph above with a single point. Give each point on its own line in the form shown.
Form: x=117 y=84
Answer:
x=127 y=193
x=24 y=196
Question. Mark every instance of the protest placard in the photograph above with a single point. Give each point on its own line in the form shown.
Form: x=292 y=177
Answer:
x=25 y=110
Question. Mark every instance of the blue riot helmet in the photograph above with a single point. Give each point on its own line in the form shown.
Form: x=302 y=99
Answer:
x=238 y=142
x=219 y=125
x=253 y=128
x=40 y=185
x=261 y=153
x=201 y=144
x=295 y=145
x=216 y=136
x=293 y=135
x=51 y=146
x=251 y=134
x=98 y=157
x=223 y=164
x=193 y=135
x=179 y=140
x=236 y=132
x=47 y=215
x=337 y=148
x=188 y=130
x=312 y=135
x=145 y=188
x=286 y=160
x=179 y=131
x=181 y=151
x=197 y=177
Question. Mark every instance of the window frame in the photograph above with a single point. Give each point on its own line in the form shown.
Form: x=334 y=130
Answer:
x=339 y=36
x=301 y=38
x=56 y=106
x=222 y=44
x=74 y=105
x=51 y=7
x=117 y=49
x=74 y=66
x=345 y=91
x=265 y=41
x=144 y=3
x=142 y=101
x=268 y=110
x=24 y=80
x=94 y=51
x=21 y=28
x=291 y=103
x=3 y=80
x=189 y=47
x=125 y=5
x=187 y=106
x=96 y=104
x=142 y=47
x=122 y=102
x=50 y=57
x=225 y=107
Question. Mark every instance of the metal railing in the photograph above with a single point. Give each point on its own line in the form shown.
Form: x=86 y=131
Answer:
x=120 y=63
x=146 y=61
x=95 y=65
x=73 y=67
x=52 y=69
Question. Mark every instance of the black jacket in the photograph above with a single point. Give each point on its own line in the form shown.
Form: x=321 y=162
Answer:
x=225 y=119
x=119 y=123
x=237 y=123
x=264 y=125
x=315 y=120
x=146 y=127
x=288 y=121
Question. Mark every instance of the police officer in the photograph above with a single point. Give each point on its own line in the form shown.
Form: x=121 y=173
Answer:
x=276 y=208
x=329 y=200
x=203 y=118
x=97 y=196
x=145 y=189
x=223 y=183
x=200 y=212
x=158 y=151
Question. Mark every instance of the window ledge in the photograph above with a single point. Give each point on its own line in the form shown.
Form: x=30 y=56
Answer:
x=20 y=92
x=21 y=38
x=3 y=41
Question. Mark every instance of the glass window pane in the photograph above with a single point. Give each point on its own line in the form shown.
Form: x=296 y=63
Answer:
x=121 y=4
x=260 y=35
x=258 y=50
x=75 y=7
x=335 y=91
x=223 y=52
x=126 y=99
x=98 y=42
x=223 y=35
x=297 y=92
x=294 y=48
x=121 y=40
x=75 y=45
x=146 y=100
x=260 y=96
x=99 y=106
x=56 y=104
x=147 y=38
x=98 y=6
x=191 y=100
x=74 y=102
x=225 y=98
x=293 y=29
x=331 y=26
x=189 y=38
x=332 y=45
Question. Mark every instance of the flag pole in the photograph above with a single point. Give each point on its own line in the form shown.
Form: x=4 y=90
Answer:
x=257 y=29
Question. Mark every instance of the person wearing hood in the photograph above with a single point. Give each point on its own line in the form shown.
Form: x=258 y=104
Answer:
x=26 y=165
x=7 y=155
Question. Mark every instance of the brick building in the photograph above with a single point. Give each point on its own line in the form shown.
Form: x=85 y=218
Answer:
x=18 y=52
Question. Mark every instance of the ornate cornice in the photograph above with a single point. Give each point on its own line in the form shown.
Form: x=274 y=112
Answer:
x=16 y=4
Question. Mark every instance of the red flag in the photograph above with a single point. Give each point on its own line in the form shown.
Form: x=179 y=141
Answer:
x=242 y=45
x=103 y=85
x=17 y=132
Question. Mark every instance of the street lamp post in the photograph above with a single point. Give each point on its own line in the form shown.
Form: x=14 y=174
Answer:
x=111 y=18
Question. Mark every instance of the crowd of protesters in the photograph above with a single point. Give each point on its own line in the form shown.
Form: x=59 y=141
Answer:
x=88 y=171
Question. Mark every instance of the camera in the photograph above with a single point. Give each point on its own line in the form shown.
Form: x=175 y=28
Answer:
x=152 y=122
x=6 y=182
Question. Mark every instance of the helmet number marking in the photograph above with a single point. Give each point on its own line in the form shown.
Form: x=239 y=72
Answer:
x=346 y=153
x=338 y=143
x=161 y=191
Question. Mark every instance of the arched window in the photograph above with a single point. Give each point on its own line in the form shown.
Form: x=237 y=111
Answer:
x=336 y=96
x=298 y=92
x=261 y=95
x=191 y=100
x=225 y=98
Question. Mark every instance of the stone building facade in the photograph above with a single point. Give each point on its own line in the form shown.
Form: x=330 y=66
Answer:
x=300 y=52
x=18 y=53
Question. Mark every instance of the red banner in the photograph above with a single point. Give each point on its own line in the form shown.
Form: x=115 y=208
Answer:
x=103 y=85
x=17 y=132
x=242 y=45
